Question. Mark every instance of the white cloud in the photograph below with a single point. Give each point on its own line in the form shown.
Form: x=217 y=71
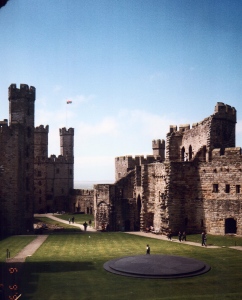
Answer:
x=57 y=88
x=82 y=98
x=107 y=126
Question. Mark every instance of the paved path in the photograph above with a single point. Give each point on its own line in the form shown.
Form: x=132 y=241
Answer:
x=28 y=250
x=163 y=237
x=51 y=216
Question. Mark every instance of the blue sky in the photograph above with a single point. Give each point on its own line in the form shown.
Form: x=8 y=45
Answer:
x=131 y=69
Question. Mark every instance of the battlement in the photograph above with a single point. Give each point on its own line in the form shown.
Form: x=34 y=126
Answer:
x=42 y=129
x=83 y=192
x=157 y=144
x=173 y=128
x=225 y=111
x=228 y=153
x=137 y=160
x=4 y=122
x=23 y=92
x=184 y=127
x=64 y=131
x=60 y=159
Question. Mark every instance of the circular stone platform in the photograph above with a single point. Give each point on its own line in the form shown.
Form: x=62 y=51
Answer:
x=156 y=266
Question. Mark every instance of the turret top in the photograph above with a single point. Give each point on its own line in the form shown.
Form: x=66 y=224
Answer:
x=23 y=92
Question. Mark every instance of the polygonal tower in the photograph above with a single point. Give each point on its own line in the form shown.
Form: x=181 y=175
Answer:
x=67 y=142
x=21 y=118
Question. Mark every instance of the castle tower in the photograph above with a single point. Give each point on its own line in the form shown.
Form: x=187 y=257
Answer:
x=21 y=118
x=41 y=141
x=21 y=104
x=158 y=147
x=67 y=142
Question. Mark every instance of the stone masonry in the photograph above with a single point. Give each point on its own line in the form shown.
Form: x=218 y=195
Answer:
x=30 y=181
x=193 y=183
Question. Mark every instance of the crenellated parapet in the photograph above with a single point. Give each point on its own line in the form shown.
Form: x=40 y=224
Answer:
x=60 y=159
x=158 y=147
x=228 y=154
x=124 y=164
x=215 y=131
x=42 y=129
x=64 y=131
x=4 y=122
x=23 y=92
x=225 y=111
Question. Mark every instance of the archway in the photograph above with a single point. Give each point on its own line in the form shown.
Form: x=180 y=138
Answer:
x=230 y=225
x=183 y=154
x=190 y=152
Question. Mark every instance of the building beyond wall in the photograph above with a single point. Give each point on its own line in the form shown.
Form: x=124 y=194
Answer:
x=193 y=183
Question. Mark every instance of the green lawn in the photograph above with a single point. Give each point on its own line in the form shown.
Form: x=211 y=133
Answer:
x=70 y=266
x=216 y=240
x=78 y=218
x=67 y=227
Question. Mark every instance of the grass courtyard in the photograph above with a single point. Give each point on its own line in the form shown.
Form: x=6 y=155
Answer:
x=70 y=266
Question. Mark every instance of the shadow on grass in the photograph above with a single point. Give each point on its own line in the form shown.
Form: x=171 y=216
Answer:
x=18 y=277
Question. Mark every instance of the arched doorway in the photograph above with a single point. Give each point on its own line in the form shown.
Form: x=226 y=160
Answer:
x=137 y=219
x=190 y=152
x=230 y=225
x=183 y=154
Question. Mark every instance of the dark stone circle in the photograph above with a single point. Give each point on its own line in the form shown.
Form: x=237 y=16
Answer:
x=156 y=266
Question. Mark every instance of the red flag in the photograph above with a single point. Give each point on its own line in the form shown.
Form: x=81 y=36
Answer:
x=68 y=101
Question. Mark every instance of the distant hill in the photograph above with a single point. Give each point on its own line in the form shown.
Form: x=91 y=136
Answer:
x=89 y=184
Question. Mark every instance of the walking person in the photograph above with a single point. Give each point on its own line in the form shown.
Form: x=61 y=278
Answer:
x=204 y=239
x=147 y=249
x=180 y=236
x=184 y=237
x=85 y=226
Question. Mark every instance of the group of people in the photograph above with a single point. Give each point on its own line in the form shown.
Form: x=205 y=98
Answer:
x=182 y=236
x=71 y=220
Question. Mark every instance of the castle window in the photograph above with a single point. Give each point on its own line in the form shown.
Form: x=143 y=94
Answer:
x=70 y=171
x=237 y=189
x=40 y=183
x=202 y=223
x=227 y=188
x=57 y=171
x=39 y=200
x=186 y=221
x=39 y=173
x=119 y=175
x=215 y=188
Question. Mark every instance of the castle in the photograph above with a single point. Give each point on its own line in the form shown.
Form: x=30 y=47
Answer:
x=192 y=182
x=30 y=181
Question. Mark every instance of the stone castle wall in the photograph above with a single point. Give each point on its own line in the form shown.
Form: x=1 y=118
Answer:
x=30 y=181
x=196 y=187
